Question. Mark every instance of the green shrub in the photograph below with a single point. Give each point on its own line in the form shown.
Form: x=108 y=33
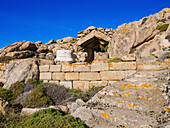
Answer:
x=49 y=118
x=73 y=41
x=17 y=88
x=65 y=42
x=115 y=60
x=1 y=84
x=105 y=49
x=85 y=96
x=162 y=27
x=168 y=55
x=162 y=20
x=132 y=50
x=35 y=82
x=140 y=26
x=6 y=94
x=6 y=59
x=38 y=96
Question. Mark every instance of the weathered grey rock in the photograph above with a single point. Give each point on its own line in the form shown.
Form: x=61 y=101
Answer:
x=74 y=107
x=80 y=102
x=28 y=45
x=50 y=56
x=38 y=43
x=129 y=103
x=21 y=70
x=63 y=108
x=21 y=54
x=42 y=49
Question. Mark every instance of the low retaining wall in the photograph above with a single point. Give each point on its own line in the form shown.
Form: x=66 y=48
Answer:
x=84 y=76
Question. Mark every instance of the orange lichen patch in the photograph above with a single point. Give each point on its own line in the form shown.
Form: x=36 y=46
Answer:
x=75 y=66
x=133 y=105
x=125 y=126
x=144 y=99
x=154 y=89
x=133 y=125
x=2 y=65
x=145 y=85
x=121 y=86
x=85 y=64
x=145 y=127
x=132 y=56
x=166 y=62
x=94 y=60
x=110 y=65
x=101 y=91
x=127 y=122
x=89 y=66
x=119 y=101
x=169 y=59
x=114 y=67
x=103 y=82
x=126 y=94
x=144 y=63
x=167 y=109
x=114 y=93
x=166 y=101
x=106 y=116
x=126 y=55
x=134 y=64
x=70 y=65
x=99 y=59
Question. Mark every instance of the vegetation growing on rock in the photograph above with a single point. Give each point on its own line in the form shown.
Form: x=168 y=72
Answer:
x=49 y=118
x=6 y=59
x=6 y=94
x=38 y=97
x=115 y=60
x=162 y=27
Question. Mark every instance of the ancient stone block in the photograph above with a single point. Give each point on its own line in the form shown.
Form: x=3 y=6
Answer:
x=45 y=81
x=129 y=72
x=44 y=68
x=55 y=82
x=58 y=76
x=81 y=68
x=55 y=68
x=100 y=67
x=45 y=76
x=122 y=65
x=151 y=67
x=67 y=84
x=67 y=68
x=82 y=85
x=112 y=82
x=98 y=83
x=112 y=75
x=89 y=76
x=72 y=76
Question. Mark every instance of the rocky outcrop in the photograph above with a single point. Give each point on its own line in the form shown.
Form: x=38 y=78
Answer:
x=21 y=70
x=141 y=36
x=138 y=101
x=3 y=105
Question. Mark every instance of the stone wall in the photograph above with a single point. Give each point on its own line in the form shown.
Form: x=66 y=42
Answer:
x=84 y=76
x=3 y=68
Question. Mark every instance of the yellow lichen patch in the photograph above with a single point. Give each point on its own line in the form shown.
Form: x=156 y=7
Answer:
x=114 y=93
x=125 y=126
x=126 y=94
x=166 y=101
x=127 y=104
x=146 y=86
x=123 y=30
x=133 y=105
x=144 y=99
x=119 y=101
x=127 y=122
x=145 y=127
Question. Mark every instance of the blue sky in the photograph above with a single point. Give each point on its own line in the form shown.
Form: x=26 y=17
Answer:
x=35 y=20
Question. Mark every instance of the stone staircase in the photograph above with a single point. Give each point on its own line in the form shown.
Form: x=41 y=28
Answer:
x=139 y=101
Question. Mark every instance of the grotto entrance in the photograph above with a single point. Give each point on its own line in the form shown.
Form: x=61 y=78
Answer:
x=94 y=41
